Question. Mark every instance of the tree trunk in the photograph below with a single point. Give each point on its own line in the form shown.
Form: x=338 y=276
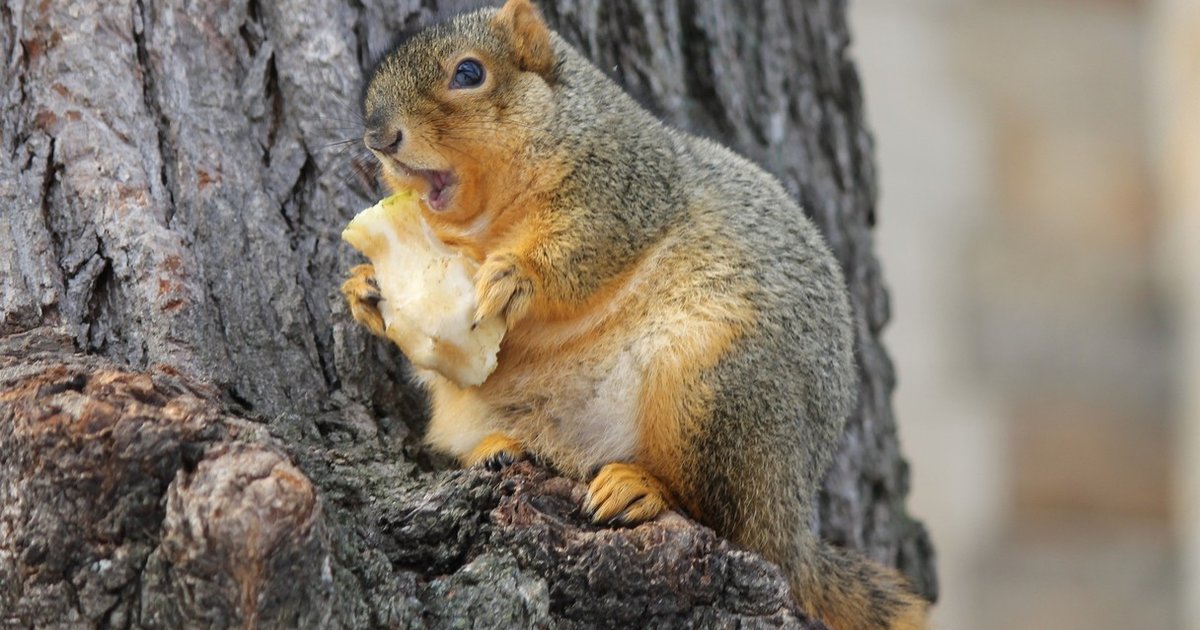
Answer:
x=194 y=432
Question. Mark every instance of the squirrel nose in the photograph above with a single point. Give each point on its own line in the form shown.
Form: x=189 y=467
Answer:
x=382 y=141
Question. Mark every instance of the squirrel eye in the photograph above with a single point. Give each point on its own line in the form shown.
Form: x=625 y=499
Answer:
x=468 y=74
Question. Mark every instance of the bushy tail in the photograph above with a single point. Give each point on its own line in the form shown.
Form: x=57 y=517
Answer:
x=849 y=592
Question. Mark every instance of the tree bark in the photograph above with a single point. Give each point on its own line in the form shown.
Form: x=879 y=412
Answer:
x=194 y=432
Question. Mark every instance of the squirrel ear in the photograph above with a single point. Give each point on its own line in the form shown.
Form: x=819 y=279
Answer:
x=530 y=35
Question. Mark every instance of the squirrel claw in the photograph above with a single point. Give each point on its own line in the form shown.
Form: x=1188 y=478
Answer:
x=495 y=453
x=363 y=296
x=499 y=461
x=625 y=494
x=502 y=288
x=372 y=295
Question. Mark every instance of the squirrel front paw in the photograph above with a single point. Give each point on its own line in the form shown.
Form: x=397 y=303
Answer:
x=362 y=294
x=626 y=494
x=502 y=288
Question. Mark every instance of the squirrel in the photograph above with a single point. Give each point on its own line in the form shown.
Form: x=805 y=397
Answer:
x=678 y=332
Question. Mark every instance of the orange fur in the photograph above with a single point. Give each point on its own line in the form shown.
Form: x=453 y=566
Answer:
x=857 y=609
x=673 y=399
x=848 y=592
x=670 y=397
x=674 y=395
x=915 y=617
x=552 y=343
x=459 y=418
x=530 y=35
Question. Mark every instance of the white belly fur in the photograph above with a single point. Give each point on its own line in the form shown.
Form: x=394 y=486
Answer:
x=602 y=426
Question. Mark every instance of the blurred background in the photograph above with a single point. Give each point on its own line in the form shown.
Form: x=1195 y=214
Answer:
x=1039 y=227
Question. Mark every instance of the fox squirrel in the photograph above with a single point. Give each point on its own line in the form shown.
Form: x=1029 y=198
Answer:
x=677 y=330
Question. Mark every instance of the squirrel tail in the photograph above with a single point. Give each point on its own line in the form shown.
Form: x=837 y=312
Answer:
x=849 y=592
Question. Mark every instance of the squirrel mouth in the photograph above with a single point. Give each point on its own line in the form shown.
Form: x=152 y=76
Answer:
x=439 y=185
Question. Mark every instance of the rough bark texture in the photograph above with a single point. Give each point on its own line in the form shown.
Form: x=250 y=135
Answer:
x=192 y=430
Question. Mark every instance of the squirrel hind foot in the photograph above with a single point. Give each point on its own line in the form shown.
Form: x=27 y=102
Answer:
x=494 y=452
x=626 y=494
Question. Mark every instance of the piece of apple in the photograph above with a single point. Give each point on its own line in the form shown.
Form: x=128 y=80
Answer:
x=428 y=304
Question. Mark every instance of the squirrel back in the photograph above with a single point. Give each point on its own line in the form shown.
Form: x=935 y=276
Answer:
x=674 y=320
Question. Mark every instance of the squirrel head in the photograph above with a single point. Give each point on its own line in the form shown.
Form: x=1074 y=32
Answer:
x=449 y=110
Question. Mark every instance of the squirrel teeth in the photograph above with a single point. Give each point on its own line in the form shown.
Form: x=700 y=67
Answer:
x=428 y=293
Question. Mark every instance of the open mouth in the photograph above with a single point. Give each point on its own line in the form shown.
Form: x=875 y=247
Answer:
x=440 y=184
x=439 y=187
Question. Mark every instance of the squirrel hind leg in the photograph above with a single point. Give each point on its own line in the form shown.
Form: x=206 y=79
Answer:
x=626 y=494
